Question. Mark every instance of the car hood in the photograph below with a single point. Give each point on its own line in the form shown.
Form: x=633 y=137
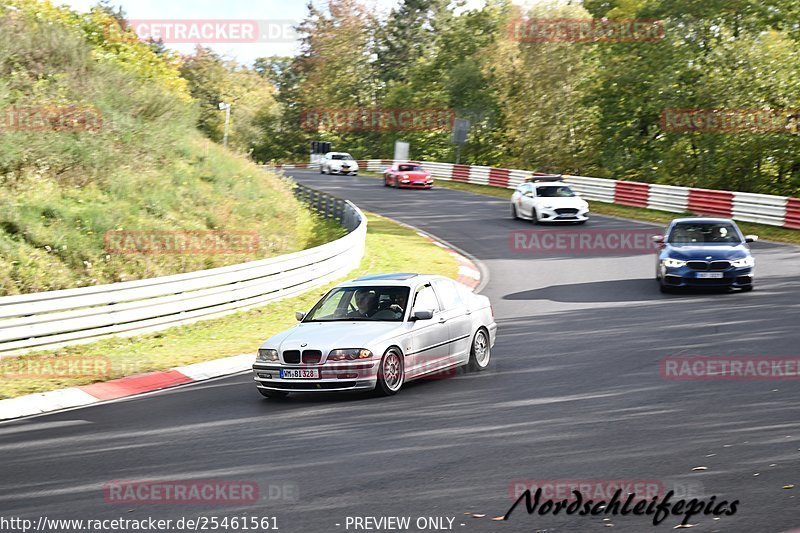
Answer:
x=340 y=162
x=413 y=174
x=558 y=202
x=331 y=335
x=709 y=252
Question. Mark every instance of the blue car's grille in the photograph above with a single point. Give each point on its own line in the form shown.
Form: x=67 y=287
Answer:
x=708 y=265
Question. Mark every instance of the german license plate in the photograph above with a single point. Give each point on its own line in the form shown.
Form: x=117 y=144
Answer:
x=709 y=275
x=299 y=373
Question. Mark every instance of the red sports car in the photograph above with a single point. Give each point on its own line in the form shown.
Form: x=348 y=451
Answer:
x=408 y=174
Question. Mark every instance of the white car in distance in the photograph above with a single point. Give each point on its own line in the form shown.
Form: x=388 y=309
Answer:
x=376 y=333
x=548 y=201
x=338 y=163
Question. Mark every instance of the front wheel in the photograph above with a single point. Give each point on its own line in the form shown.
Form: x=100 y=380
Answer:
x=391 y=373
x=535 y=216
x=514 y=214
x=481 y=351
x=747 y=288
x=274 y=394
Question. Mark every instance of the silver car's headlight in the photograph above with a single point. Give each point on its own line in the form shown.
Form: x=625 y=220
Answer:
x=267 y=355
x=349 y=354
x=674 y=263
x=748 y=261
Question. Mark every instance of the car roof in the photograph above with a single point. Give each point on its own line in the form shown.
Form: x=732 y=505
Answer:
x=702 y=219
x=337 y=153
x=408 y=163
x=548 y=183
x=401 y=279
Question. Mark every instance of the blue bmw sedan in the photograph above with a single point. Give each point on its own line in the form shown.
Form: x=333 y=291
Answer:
x=704 y=252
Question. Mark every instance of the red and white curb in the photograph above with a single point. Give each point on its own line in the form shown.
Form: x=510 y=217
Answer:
x=468 y=272
x=45 y=402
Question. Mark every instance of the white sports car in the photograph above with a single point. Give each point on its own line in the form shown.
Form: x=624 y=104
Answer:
x=338 y=163
x=548 y=201
x=377 y=332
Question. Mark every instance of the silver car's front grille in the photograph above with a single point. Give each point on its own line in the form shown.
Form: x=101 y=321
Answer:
x=291 y=356
x=308 y=357
x=312 y=357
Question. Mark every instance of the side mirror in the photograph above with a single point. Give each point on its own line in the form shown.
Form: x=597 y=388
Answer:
x=426 y=314
x=658 y=239
x=750 y=238
x=299 y=315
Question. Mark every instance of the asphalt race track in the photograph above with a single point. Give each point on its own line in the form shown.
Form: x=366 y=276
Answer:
x=574 y=392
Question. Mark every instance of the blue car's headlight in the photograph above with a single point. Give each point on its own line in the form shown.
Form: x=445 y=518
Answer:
x=674 y=263
x=748 y=261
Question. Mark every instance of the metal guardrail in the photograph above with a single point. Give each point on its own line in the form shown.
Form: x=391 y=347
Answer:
x=72 y=316
x=749 y=207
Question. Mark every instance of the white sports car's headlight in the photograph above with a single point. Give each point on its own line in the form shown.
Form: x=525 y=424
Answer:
x=546 y=206
x=674 y=263
x=349 y=354
x=267 y=355
x=748 y=261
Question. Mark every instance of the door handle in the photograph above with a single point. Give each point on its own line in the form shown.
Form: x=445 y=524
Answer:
x=442 y=320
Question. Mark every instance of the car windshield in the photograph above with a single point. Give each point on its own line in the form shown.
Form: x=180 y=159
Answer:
x=370 y=303
x=410 y=168
x=342 y=157
x=554 y=191
x=704 y=233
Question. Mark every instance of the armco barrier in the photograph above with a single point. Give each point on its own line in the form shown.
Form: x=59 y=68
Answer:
x=708 y=202
x=631 y=193
x=71 y=316
x=748 y=207
x=792 y=216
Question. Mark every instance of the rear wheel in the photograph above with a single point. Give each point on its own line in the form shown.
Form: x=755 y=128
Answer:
x=274 y=394
x=391 y=373
x=481 y=351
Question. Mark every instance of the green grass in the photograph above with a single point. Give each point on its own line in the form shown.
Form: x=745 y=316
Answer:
x=52 y=236
x=764 y=231
x=390 y=248
x=145 y=167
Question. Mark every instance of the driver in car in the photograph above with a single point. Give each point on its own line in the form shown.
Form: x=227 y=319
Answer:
x=366 y=303
x=396 y=303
